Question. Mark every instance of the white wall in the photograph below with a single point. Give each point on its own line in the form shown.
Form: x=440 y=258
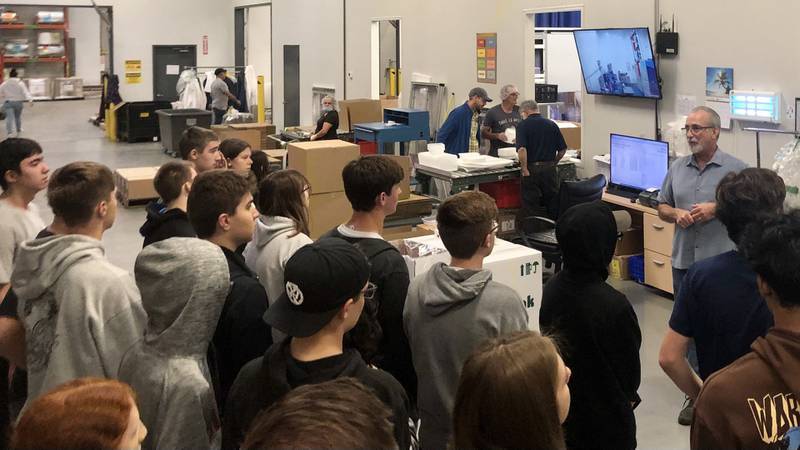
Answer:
x=140 y=24
x=84 y=26
x=259 y=46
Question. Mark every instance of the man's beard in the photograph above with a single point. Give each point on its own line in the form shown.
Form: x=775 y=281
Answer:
x=695 y=148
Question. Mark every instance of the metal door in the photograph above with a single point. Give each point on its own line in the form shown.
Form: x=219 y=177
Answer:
x=165 y=60
x=291 y=85
x=239 y=36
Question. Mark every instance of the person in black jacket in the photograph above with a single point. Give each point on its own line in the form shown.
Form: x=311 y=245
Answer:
x=167 y=218
x=372 y=185
x=221 y=210
x=597 y=330
x=326 y=289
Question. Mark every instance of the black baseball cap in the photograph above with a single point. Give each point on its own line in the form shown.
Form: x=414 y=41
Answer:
x=318 y=279
x=480 y=92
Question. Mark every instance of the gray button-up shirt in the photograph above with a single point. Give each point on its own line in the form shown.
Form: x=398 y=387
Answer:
x=686 y=185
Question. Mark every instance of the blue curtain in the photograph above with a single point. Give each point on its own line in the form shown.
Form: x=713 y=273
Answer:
x=563 y=19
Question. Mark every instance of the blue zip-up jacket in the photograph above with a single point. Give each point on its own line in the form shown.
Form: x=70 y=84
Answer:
x=454 y=133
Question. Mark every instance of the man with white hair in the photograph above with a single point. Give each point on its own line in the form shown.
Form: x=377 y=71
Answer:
x=501 y=118
x=688 y=198
x=328 y=121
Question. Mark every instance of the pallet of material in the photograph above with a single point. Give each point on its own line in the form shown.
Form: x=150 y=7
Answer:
x=135 y=185
x=414 y=206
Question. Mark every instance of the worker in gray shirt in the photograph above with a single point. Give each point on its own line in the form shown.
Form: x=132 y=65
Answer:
x=220 y=95
x=688 y=198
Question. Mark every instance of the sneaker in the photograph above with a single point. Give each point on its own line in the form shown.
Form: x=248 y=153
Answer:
x=687 y=413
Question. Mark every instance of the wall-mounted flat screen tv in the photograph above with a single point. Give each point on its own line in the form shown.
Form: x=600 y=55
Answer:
x=618 y=61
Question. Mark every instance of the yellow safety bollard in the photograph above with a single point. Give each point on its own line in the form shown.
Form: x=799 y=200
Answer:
x=261 y=110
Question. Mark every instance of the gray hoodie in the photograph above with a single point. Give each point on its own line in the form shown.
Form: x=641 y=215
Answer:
x=81 y=313
x=274 y=242
x=184 y=282
x=457 y=309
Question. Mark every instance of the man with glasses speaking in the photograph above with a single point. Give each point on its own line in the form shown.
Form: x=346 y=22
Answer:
x=687 y=198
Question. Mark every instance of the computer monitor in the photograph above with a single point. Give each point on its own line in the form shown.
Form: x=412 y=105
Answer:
x=637 y=164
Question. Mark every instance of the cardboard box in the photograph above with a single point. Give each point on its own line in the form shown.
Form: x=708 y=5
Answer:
x=264 y=128
x=252 y=137
x=390 y=101
x=359 y=110
x=414 y=206
x=322 y=163
x=405 y=232
x=632 y=242
x=618 y=268
x=516 y=266
x=572 y=135
x=135 y=184
x=405 y=163
x=327 y=211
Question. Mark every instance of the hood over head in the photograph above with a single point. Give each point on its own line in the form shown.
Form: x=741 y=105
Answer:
x=184 y=283
x=587 y=236
x=268 y=228
x=40 y=262
x=447 y=287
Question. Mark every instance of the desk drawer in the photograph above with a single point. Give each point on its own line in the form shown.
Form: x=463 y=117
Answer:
x=658 y=234
x=658 y=270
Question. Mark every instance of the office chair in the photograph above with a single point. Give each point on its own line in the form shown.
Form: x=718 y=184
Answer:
x=539 y=232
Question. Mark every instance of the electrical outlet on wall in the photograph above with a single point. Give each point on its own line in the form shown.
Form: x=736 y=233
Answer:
x=350 y=76
x=790 y=112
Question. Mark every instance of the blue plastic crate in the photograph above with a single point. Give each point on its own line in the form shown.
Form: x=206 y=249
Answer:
x=636 y=268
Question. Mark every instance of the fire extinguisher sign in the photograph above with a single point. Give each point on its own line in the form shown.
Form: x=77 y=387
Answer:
x=205 y=44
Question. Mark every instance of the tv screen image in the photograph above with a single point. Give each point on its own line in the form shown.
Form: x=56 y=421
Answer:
x=638 y=164
x=618 y=61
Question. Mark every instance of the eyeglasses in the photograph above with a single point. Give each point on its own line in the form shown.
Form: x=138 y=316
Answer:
x=307 y=188
x=369 y=291
x=694 y=129
x=495 y=227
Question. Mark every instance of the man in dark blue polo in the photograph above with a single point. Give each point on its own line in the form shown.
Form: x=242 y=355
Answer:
x=460 y=132
x=540 y=146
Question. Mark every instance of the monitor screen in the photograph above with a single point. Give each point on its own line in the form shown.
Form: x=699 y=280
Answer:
x=618 y=61
x=638 y=163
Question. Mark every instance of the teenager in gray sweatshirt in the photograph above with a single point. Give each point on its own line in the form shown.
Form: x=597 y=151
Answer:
x=457 y=307
x=81 y=313
x=183 y=282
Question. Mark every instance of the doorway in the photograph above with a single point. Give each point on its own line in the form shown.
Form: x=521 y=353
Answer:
x=168 y=62
x=291 y=85
x=556 y=60
x=386 y=72
x=253 y=45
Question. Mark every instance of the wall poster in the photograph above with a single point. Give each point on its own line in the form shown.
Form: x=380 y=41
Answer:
x=487 y=57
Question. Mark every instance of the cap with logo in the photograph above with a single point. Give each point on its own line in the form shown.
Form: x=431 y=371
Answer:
x=319 y=278
x=480 y=92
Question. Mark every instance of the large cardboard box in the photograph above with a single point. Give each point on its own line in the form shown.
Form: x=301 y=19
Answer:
x=405 y=163
x=322 y=162
x=405 y=232
x=414 y=206
x=632 y=242
x=390 y=101
x=359 y=110
x=135 y=184
x=264 y=128
x=252 y=137
x=327 y=211
x=516 y=266
x=618 y=268
x=572 y=134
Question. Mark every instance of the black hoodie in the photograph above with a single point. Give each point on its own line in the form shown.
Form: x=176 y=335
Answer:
x=597 y=330
x=265 y=380
x=163 y=224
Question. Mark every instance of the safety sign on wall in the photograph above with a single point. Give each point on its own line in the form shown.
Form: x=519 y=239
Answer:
x=487 y=57
x=133 y=71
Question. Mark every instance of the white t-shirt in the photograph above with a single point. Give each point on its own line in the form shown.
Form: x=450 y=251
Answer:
x=17 y=226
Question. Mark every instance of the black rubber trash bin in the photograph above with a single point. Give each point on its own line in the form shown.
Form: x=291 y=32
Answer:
x=137 y=121
x=172 y=123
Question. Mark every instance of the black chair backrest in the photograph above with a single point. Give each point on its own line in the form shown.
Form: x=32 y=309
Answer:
x=583 y=191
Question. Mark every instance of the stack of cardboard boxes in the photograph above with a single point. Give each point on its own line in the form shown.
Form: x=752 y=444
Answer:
x=322 y=162
x=631 y=244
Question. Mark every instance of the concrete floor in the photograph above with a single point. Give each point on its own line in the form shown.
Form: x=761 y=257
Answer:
x=66 y=135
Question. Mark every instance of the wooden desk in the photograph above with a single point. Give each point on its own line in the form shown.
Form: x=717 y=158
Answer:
x=657 y=241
